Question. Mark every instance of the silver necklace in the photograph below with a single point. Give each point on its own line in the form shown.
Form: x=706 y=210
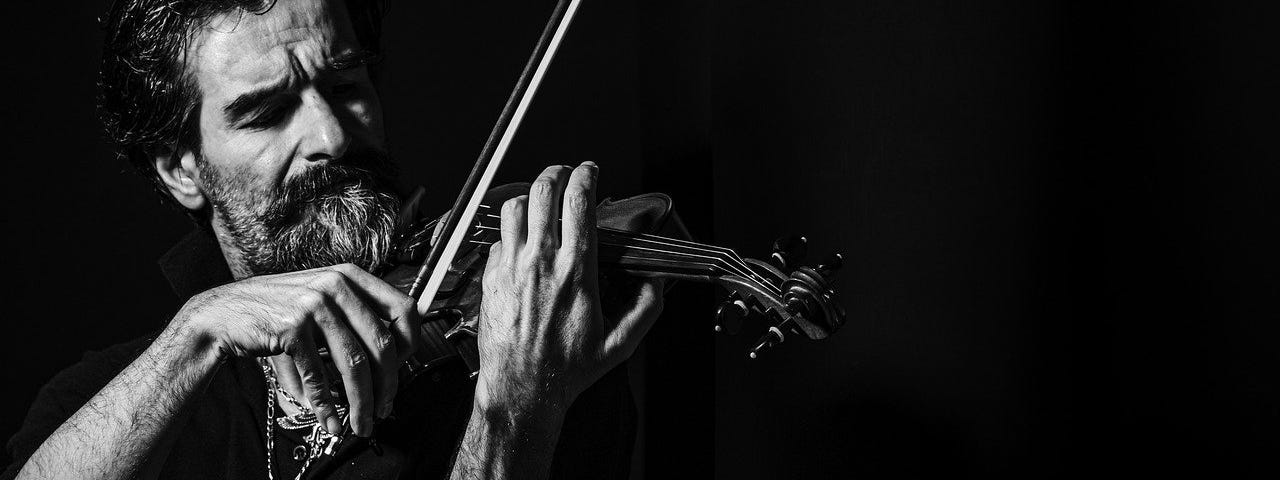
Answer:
x=319 y=442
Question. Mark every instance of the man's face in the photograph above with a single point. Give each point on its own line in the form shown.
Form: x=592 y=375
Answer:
x=292 y=150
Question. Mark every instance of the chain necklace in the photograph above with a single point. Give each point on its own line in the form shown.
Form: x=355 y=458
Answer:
x=319 y=442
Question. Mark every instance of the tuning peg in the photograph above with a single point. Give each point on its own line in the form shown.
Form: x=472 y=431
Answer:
x=788 y=250
x=770 y=339
x=730 y=315
x=830 y=266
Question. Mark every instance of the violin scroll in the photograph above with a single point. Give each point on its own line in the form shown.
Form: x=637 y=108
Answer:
x=792 y=299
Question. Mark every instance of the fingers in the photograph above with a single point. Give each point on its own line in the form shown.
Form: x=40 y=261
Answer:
x=288 y=377
x=495 y=258
x=352 y=362
x=374 y=337
x=514 y=220
x=392 y=304
x=578 y=228
x=314 y=386
x=360 y=302
x=348 y=306
x=544 y=206
x=635 y=322
x=389 y=303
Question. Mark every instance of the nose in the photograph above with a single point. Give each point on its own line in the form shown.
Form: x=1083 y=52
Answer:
x=326 y=138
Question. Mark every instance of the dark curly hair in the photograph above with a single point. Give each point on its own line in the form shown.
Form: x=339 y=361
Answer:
x=147 y=98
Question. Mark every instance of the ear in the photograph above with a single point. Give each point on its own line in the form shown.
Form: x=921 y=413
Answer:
x=177 y=169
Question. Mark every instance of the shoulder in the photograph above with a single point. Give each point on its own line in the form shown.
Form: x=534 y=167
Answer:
x=66 y=392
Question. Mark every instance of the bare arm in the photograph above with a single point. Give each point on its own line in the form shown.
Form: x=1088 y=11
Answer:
x=368 y=325
x=499 y=444
x=119 y=433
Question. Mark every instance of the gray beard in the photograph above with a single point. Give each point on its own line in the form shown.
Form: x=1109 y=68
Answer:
x=332 y=215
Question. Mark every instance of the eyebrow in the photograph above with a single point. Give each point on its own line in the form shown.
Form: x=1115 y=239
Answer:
x=352 y=59
x=246 y=103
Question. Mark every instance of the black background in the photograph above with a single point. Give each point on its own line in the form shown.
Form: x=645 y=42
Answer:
x=1058 y=219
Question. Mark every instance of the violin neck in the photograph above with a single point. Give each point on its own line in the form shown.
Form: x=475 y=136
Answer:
x=640 y=254
x=647 y=255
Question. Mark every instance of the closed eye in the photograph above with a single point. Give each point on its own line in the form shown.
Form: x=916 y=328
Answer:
x=271 y=114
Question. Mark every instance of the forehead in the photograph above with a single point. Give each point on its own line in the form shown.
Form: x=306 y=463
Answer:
x=237 y=51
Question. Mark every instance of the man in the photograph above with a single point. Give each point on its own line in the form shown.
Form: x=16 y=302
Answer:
x=262 y=123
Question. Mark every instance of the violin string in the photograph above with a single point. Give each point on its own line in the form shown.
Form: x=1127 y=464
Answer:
x=731 y=257
x=636 y=247
x=728 y=252
x=735 y=269
x=711 y=267
x=728 y=256
x=664 y=247
x=686 y=243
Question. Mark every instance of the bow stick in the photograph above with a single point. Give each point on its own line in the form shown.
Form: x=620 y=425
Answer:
x=440 y=257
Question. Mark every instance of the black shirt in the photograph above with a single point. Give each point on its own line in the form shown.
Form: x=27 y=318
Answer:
x=224 y=435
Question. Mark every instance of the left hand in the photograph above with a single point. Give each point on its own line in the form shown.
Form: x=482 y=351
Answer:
x=542 y=336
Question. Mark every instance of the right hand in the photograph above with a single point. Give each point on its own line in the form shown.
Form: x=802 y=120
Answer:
x=369 y=326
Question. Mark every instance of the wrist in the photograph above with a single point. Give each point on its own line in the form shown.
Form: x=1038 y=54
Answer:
x=194 y=335
x=529 y=417
x=517 y=403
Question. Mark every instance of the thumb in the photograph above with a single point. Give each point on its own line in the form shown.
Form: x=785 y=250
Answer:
x=635 y=322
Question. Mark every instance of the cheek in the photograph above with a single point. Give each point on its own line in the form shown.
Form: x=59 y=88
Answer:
x=226 y=178
x=256 y=159
x=236 y=186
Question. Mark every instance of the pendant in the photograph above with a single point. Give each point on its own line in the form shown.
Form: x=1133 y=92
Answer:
x=306 y=419
x=322 y=442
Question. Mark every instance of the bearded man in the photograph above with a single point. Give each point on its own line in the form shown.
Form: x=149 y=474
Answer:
x=261 y=121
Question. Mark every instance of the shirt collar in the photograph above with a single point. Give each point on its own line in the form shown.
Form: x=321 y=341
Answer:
x=195 y=264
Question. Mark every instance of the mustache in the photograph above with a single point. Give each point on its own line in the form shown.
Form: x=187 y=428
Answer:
x=358 y=171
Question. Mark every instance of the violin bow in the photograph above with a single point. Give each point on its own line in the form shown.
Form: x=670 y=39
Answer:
x=431 y=275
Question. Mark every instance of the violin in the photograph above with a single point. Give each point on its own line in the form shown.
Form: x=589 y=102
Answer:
x=640 y=236
x=440 y=265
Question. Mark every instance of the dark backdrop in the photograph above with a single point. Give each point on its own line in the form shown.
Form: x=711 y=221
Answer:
x=1058 y=218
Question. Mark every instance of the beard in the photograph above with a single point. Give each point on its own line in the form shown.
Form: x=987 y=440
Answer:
x=342 y=212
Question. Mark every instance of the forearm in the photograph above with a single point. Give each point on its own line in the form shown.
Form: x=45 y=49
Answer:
x=502 y=444
x=119 y=432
